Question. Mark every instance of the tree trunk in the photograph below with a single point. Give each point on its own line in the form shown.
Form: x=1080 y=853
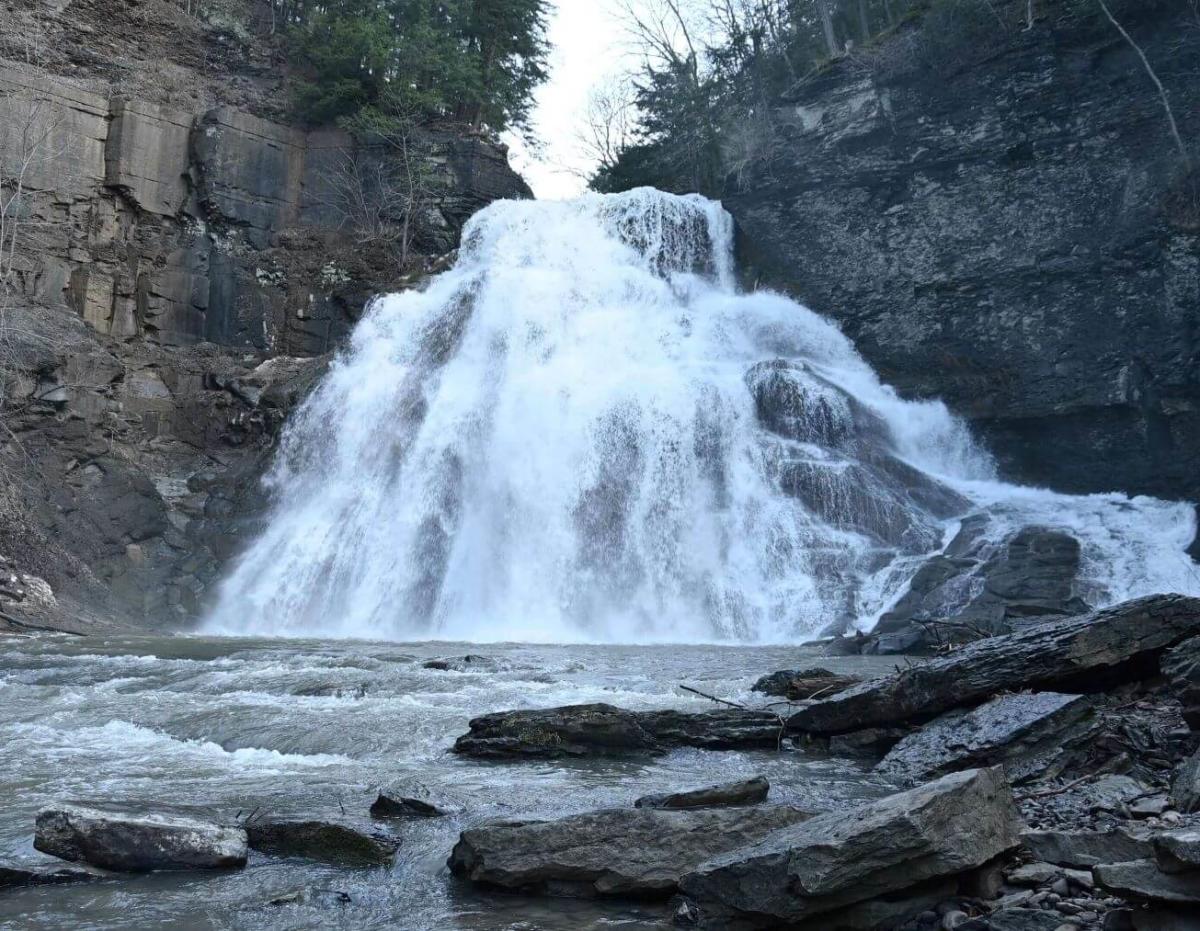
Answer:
x=827 y=26
x=864 y=21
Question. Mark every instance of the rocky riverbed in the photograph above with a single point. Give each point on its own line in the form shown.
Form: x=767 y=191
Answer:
x=1045 y=779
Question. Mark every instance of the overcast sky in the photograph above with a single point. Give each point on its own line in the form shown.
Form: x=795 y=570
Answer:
x=587 y=45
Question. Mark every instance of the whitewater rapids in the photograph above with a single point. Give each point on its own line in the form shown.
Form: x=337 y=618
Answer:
x=583 y=432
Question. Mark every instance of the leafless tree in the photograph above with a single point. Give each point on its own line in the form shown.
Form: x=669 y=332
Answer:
x=609 y=123
x=825 y=12
x=383 y=185
x=1184 y=155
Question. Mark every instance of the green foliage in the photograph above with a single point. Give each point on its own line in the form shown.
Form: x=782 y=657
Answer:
x=472 y=60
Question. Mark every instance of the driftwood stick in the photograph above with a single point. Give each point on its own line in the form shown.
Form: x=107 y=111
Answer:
x=719 y=701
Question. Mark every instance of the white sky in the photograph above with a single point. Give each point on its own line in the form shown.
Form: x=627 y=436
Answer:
x=587 y=45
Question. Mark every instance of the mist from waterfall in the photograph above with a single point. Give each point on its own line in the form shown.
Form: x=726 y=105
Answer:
x=583 y=432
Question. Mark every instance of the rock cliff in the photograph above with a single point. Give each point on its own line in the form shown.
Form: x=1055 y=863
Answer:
x=998 y=217
x=177 y=254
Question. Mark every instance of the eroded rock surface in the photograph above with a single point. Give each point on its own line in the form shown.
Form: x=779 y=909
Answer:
x=1025 y=733
x=836 y=860
x=328 y=841
x=632 y=852
x=138 y=842
x=726 y=794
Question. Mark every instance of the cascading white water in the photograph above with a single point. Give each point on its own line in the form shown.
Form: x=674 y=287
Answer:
x=581 y=432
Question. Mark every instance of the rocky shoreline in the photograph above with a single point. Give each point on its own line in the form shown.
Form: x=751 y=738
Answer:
x=1043 y=779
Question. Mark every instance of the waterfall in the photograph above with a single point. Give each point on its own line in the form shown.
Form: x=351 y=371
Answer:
x=583 y=432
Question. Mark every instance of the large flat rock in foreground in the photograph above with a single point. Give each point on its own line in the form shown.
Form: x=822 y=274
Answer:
x=138 y=842
x=838 y=859
x=635 y=852
x=605 y=730
x=1080 y=654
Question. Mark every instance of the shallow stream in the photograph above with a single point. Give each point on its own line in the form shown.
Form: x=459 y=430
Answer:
x=314 y=727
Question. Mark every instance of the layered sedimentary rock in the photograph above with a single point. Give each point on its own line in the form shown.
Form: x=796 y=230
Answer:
x=997 y=217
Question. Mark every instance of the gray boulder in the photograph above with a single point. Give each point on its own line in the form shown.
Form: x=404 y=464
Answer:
x=1085 y=849
x=1143 y=880
x=617 y=852
x=839 y=859
x=136 y=842
x=604 y=730
x=1086 y=653
x=328 y=841
x=1025 y=733
x=1178 y=851
x=746 y=792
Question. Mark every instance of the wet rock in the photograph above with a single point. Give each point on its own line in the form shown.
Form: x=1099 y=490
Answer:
x=40 y=876
x=471 y=662
x=617 y=852
x=317 y=898
x=1086 y=653
x=1181 y=665
x=1143 y=880
x=137 y=842
x=1178 y=851
x=1030 y=576
x=839 y=859
x=599 y=729
x=327 y=841
x=1024 y=732
x=798 y=684
x=406 y=801
x=746 y=792
x=1185 y=785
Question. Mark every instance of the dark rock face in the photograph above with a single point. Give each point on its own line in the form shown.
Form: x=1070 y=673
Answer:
x=632 y=852
x=1025 y=733
x=727 y=794
x=138 y=843
x=328 y=841
x=1182 y=666
x=975 y=589
x=1185 y=785
x=998 y=231
x=1178 y=851
x=839 y=859
x=409 y=800
x=1087 y=653
x=604 y=730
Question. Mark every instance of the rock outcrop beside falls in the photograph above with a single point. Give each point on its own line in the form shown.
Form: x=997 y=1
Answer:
x=176 y=234
x=996 y=216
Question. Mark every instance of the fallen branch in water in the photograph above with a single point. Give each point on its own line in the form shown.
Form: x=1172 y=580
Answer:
x=720 y=701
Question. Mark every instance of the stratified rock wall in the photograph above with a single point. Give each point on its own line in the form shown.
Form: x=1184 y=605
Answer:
x=181 y=270
x=999 y=218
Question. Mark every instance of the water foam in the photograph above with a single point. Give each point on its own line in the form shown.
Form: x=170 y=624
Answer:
x=581 y=432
